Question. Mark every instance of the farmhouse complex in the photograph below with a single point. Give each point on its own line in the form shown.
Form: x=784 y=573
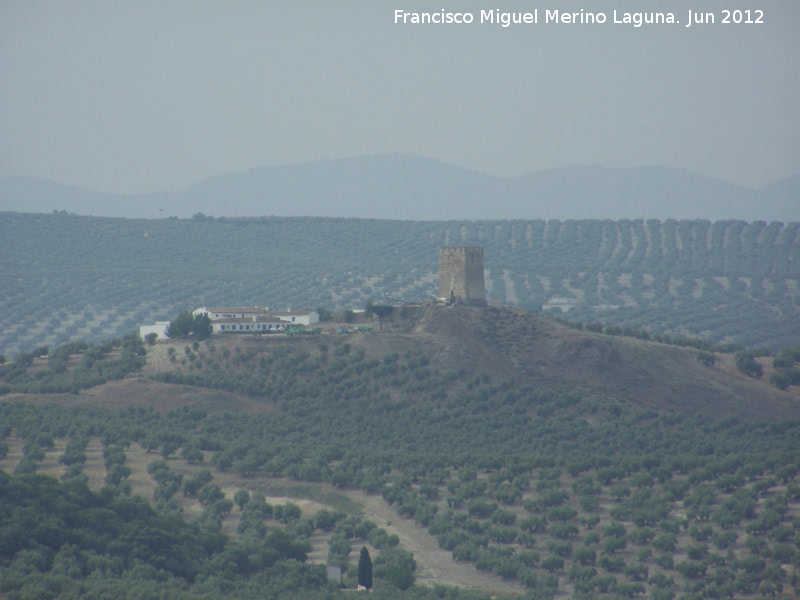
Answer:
x=242 y=320
x=255 y=319
x=461 y=282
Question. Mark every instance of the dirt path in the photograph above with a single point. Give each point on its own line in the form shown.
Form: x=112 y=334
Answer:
x=434 y=565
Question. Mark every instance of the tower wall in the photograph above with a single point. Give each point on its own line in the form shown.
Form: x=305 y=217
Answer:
x=461 y=274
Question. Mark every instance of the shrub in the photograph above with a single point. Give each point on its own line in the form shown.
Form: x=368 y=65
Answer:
x=706 y=358
x=745 y=361
x=691 y=569
x=552 y=563
x=210 y=493
x=585 y=555
x=665 y=542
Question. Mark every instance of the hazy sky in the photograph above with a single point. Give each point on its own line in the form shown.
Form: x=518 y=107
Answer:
x=136 y=96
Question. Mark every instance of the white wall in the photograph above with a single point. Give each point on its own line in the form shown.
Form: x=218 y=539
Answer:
x=160 y=328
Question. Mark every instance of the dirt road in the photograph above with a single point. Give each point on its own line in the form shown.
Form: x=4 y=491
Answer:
x=434 y=565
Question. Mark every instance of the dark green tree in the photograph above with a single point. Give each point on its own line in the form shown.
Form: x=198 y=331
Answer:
x=202 y=327
x=706 y=358
x=181 y=326
x=365 y=569
x=192 y=454
x=241 y=497
x=399 y=576
x=325 y=313
x=745 y=361
x=187 y=325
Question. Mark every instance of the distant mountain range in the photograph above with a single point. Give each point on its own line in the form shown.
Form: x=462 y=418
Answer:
x=401 y=186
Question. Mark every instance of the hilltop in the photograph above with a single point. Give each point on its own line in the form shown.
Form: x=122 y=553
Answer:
x=507 y=346
x=644 y=374
x=68 y=278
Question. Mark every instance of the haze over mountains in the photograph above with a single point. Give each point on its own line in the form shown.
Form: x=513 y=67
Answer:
x=402 y=186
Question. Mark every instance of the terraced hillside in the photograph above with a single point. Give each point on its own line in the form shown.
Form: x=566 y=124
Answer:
x=66 y=277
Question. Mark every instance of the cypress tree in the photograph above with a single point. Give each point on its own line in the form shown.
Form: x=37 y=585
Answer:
x=365 y=569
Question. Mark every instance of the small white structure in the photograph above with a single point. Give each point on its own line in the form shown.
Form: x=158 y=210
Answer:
x=300 y=317
x=565 y=304
x=160 y=329
x=334 y=574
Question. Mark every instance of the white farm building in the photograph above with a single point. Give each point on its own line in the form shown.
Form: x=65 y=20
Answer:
x=248 y=325
x=254 y=319
x=242 y=320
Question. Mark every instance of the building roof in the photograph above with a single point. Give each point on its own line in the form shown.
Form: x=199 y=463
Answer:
x=288 y=313
x=250 y=320
x=243 y=310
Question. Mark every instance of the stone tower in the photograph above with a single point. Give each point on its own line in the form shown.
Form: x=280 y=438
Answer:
x=461 y=274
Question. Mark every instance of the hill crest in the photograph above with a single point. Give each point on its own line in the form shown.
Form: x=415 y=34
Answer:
x=407 y=187
x=455 y=349
x=642 y=374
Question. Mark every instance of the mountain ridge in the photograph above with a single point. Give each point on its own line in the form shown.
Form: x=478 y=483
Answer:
x=408 y=187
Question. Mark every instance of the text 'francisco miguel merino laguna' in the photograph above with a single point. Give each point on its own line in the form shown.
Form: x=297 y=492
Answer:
x=506 y=19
